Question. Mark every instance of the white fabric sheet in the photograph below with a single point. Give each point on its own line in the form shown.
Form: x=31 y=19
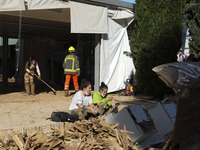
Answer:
x=125 y=14
x=115 y=67
x=46 y=4
x=11 y=5
x=88 y=18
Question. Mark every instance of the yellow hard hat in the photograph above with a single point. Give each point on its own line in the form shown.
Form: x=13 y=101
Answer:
x=71 y=49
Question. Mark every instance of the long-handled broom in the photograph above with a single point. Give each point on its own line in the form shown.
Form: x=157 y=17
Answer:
x=54 y=92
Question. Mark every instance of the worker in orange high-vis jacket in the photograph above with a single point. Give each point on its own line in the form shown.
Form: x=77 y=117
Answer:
x=71 y=69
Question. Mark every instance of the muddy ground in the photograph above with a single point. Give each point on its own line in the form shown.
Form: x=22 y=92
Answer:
x=18 y=110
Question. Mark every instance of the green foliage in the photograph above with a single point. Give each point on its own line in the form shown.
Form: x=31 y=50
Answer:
x=193 y=14
x=155 y=41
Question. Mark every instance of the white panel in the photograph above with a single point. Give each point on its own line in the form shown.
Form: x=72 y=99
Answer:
x=161 y=120
x=115 y=66
x=110 y=119
x=88 y=18
x=171 y=110
x=124 y=118
x=125 y=14
x=46 y=4
x=11 y=5
x=139 y=113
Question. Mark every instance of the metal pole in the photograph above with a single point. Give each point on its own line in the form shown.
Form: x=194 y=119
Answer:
x=97 y=63
x=18 y=50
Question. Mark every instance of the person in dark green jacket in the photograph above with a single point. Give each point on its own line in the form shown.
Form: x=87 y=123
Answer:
x=71 y=69
x=101 y=98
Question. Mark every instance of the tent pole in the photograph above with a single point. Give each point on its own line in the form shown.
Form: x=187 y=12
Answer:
x=97 y=63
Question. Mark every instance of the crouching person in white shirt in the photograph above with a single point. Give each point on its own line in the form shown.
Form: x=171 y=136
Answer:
x=82 y=103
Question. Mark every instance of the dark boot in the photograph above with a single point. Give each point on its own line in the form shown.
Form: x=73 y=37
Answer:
x=66 y=93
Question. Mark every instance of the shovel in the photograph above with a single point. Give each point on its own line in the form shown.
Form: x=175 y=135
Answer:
x=54 y=92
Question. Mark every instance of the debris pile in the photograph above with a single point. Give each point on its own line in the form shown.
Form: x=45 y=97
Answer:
x=183 y=78
x=81 y=135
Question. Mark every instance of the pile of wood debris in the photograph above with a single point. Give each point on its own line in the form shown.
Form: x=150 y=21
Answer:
x=81 y=135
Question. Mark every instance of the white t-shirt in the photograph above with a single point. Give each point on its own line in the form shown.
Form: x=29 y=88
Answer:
x=79 y=98
x=181 y=57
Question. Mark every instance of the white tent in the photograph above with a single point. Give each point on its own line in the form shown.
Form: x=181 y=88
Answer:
x=87 y=18
x=115 y=67
x=10 y=5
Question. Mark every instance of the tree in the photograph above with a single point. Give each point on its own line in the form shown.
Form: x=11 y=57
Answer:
x=193 y=14
x=155 y=40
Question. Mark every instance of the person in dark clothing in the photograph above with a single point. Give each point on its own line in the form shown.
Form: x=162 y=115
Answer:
x=71 y=69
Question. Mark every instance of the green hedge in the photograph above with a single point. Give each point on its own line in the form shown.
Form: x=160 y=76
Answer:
x=156 y=40
x=193 y=14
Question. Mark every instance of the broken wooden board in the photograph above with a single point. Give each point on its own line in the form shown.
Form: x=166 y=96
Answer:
x=81 y=135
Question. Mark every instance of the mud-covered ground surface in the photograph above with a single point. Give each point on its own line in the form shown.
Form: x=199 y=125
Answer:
x=18 y=110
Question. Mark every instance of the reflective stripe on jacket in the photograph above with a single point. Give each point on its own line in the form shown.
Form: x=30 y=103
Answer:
x=71 y=64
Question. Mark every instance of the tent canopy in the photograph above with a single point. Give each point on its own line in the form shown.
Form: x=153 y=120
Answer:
x=12 y=5
x=115 y=67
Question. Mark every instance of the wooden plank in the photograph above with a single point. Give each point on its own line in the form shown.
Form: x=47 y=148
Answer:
x=4 y=144
x=70 y=132
x=125 y=141
x=111 y=110
x=57 y=143
x=124 y=127
x=32 y=148
x=85 y=136
x=79 y=128
x=111 y=147
x=116 y=124
x=105 y=129
x=120 y=137
x=39 y=138
x=167 y=143
x=112 y=133
x=27 y=143
x=62 y=133
x=32 y=134
x=103 y=123
x=127 y=132
x=88 y=147
x=130 y=144
x=82 y=145
x=117 y=136
x=49 y=140
x=114 y=143
x=51 y=145
x=98 y=147
x=21 y=138
x=18 y=142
